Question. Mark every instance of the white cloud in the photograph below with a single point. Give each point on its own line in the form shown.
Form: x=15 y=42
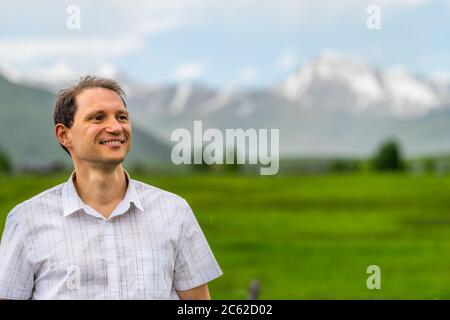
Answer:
x=402 y=3
x=28 y=50
x=245 y=76
x=441 y=79
x=287 y=60
x=440 y=76
x=59 y=71
x=56 y=75
x=118 y=32
x=153 y=26
x=123 y=30
x=107 y=70
x=188 y=71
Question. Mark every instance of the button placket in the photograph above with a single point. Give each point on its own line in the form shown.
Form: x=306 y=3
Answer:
x=112 y=265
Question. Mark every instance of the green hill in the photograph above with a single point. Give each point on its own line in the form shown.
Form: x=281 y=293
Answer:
x=26 y=130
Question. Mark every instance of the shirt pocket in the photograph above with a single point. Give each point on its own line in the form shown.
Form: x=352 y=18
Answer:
x=154 y=272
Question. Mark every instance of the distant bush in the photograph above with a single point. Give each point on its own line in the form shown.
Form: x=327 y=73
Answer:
x=344 y=165
x=44 y=168
x=429 y=165
x=233 y=167
x=199 y=167
x=388 y=157
x=5 y=164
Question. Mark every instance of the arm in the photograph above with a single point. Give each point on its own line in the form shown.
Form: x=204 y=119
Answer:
x=16 y=267
x=198 y=293
x=195 y=264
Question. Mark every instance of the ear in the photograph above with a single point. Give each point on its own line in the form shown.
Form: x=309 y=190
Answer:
x=62 y=134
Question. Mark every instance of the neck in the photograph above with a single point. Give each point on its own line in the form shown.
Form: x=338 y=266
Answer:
x=101 y=188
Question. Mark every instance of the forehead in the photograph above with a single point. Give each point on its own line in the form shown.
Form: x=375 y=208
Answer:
x=98 y=99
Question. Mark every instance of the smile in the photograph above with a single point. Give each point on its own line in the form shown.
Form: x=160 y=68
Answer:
x=112 y=142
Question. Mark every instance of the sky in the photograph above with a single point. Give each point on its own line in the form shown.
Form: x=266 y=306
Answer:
x=221 y=43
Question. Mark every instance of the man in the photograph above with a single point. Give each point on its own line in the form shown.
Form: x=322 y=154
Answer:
x=102 y=235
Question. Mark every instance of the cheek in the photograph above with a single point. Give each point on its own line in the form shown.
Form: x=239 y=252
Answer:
x=85 y=136
x=91 y=133
x=127 y=129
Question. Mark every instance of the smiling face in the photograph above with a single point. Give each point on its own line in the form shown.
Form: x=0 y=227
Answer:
x=101 y=130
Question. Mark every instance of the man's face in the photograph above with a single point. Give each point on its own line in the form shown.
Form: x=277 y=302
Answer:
x=101 y=130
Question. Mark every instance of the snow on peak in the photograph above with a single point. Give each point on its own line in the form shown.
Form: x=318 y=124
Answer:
x=360 y=79
x=409 y=95
x=180 y=98
x=401 y=92
x=297 y=84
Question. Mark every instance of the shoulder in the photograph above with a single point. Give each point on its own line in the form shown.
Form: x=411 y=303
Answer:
x=36 y=204
x=152 y=196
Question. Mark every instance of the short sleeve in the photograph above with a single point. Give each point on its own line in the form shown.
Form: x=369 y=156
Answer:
x=195 y=263
x=16 y=271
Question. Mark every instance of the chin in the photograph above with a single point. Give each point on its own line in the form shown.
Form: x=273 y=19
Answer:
x=111 y=160
x=114 y=160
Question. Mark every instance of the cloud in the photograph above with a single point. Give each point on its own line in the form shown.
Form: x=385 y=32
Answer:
x=27 y=50
x=55 y=75
x=38 y=37
x=130 y=24
x=403 y=3
x=245 y=76
x=188 y=71
x=95 y=47
x=287 y=60
x=59 y=71
x=440 y=78
x=119 y=31
x=153 y=26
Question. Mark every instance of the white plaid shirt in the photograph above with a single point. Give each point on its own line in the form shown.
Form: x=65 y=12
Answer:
x=54 y=246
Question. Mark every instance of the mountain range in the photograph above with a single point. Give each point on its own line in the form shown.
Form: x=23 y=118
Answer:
x=332 y=106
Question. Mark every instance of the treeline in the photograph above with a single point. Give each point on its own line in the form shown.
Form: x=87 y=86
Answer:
x=388 y=157
x=5 y=163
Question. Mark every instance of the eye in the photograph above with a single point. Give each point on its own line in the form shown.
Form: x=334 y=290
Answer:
x=123 y=117
x=97 y=117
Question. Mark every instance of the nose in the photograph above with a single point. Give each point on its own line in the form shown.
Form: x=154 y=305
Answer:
x=113 y=126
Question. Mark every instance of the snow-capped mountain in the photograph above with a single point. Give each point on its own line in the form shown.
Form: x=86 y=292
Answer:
x=396 y=90
x=333 y=105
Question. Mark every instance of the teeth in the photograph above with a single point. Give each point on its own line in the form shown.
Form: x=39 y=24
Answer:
x=112 y=142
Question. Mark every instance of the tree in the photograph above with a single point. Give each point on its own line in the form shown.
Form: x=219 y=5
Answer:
x=5 y=164
x=388 y=157
x=429 y=165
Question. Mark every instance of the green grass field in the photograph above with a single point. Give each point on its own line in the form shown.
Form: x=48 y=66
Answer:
x=310 y=237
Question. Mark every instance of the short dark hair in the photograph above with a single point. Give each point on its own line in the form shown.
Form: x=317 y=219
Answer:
x=65 y=106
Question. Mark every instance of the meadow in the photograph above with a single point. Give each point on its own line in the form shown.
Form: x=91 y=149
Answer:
x=309 y=236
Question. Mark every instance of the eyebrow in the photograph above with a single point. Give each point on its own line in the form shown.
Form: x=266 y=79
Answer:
x=91 y=114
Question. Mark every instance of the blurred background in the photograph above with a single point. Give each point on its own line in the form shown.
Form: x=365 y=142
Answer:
x=360 y=91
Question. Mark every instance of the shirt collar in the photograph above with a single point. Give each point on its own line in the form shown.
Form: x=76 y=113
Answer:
x=72 y=202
